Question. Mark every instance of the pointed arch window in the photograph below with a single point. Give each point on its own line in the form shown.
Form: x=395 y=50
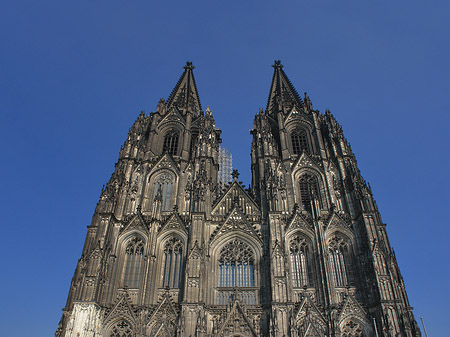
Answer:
x=299 y=141
x=170 y=144
x=299 y=256
x=121 y=329
x=173 y=262
x=134 y=256
x=339 y=258
x=163 y=190
x=309 y=191
x=236 y=265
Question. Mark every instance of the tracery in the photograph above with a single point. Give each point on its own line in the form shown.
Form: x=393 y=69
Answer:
x=121 y=329
x=339 y=258
x=236 y=265
x=309 y=191
x=163 y=189
x=170 y=144
x=352 y=329
x=299 y=141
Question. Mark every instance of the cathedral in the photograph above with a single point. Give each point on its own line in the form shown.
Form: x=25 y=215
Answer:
x=174 y=251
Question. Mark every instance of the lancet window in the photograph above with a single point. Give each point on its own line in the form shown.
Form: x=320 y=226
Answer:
x=173 y=263
x=163 y=190
x=236 y=265
x=299 y=141
x=170 y=144
x=309 y=191
x=134 y=256
x=121 y=329
x=299 y=256
x=339 y=258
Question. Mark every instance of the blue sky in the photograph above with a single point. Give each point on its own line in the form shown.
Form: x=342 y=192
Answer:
x=75 y=75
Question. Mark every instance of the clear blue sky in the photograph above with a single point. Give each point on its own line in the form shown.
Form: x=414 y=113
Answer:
x=74 y=75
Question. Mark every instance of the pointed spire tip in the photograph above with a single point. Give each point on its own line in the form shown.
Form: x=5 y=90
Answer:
x=277 y=64
x=189 y=65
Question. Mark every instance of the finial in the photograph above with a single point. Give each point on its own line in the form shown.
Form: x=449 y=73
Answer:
x=277 y=64
x=189 y=65
x=235 y=174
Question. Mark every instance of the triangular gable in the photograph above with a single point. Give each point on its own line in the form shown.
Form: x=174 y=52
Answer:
x=164 y=162
x=336 y=221
x=235 y=221
x=174 y=222
x=243 y=326
x=310 y=318
x=172 y=117
x=163 y=319
x=352 y=308
x=233 y=191
x=121 y=309
x=297 y=114
x=299 y=221
x=306 y=161
x=135 y=222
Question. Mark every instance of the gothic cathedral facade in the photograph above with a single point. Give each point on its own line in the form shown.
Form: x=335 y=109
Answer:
x=171 y=251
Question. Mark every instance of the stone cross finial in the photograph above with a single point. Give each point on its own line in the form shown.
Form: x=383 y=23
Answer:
x=189 y=65
x=235 y=174
x=277 y=64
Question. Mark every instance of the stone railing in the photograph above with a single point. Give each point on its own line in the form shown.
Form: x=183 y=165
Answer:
x=247 y=296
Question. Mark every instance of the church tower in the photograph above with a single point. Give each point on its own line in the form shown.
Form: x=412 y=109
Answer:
x=173 y=251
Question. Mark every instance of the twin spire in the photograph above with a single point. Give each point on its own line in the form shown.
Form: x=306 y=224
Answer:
x=282 y=93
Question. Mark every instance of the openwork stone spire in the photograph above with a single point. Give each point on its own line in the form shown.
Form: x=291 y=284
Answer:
x=185 y=96
x=282 y=93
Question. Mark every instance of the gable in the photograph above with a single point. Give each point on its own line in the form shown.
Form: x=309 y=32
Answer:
x=351 y=308
x=135 y=222
x=298 y=115
x=299 y=221
x=162 y=321
x=173 y=223
x=236 y=323
x=236 y=222
x=309 y=319
x=165 y=162
x=337 y=223
x=305 y=161
x=235 y=193
x=172 y=117
x=121 y=309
